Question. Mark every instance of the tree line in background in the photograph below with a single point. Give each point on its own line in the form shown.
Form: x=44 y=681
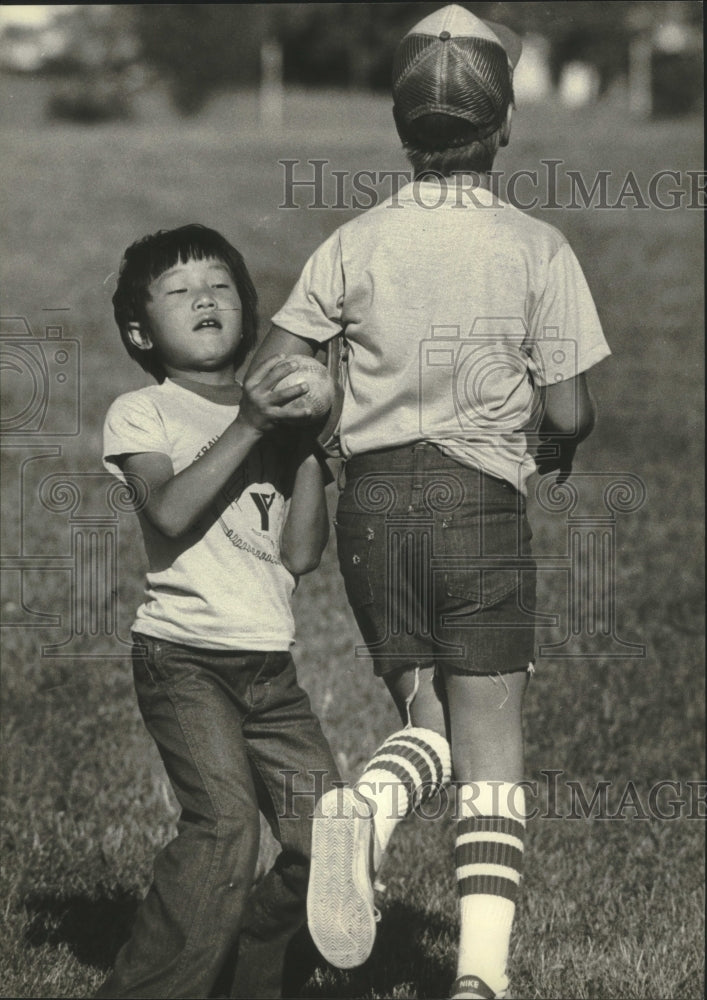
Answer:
x=199 y=49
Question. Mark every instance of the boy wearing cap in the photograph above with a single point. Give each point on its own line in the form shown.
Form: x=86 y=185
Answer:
x=467 y=323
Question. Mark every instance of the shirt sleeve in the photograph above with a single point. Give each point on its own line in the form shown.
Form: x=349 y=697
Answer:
x=132 y=426
x=314 y=308
x=566 y=334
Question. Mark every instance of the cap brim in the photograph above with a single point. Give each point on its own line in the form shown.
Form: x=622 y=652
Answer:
x=508 y=39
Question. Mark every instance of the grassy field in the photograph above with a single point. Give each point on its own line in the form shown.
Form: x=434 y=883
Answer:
x=610 y=908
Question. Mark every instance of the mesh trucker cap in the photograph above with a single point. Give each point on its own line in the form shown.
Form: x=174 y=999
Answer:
x=452 y=78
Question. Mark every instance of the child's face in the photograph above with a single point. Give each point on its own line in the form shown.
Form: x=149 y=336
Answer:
x=195 y=317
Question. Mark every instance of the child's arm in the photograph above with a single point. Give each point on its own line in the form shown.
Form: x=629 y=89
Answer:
x=568 y=418
x=306 y=527
x=176 y=502
x=279 y=341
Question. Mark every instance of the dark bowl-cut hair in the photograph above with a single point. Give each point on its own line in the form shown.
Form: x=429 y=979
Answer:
x=149 y=257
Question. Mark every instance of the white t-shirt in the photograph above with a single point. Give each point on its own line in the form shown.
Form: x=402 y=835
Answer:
x=455 y=306
x=223 y=585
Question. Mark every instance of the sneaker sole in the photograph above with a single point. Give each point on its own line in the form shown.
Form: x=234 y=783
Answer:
x=340 y=908
x=465 y=995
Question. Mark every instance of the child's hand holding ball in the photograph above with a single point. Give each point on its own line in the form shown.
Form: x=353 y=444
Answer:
x=321 y=392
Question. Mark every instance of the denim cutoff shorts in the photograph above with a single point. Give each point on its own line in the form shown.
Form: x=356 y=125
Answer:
x=436 y=562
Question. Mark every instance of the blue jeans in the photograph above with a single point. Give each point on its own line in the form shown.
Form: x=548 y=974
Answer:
x=237 y=736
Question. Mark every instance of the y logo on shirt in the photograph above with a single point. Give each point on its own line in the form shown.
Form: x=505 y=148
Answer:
x=263 y=501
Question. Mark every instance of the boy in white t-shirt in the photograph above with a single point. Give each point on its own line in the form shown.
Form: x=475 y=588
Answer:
x=232 y=511
x=467 y=322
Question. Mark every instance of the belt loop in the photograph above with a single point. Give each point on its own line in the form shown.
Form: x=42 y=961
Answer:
x=417 y=479
x=341 y=476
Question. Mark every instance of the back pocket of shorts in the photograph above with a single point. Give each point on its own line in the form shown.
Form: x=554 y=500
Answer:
x=354 y=544
x=471 y=547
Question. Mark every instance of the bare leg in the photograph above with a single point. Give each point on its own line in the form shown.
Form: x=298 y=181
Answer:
x=427 y=706
x=485 y=715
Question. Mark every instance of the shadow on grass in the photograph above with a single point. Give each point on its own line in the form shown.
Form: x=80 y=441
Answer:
x=94 y=929
x=410 y=951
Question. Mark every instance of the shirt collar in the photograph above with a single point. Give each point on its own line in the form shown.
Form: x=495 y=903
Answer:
x=224 y=395
x=435 y=192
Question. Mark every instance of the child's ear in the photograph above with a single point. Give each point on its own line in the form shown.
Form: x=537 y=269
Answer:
x=505 y=136
x=139 y=337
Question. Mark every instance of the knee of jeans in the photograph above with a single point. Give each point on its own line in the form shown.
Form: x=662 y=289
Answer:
x=239 y=832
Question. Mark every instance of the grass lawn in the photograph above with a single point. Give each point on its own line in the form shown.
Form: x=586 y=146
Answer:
x=611 y=908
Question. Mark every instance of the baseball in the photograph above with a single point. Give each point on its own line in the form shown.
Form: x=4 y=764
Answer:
x=322 y=390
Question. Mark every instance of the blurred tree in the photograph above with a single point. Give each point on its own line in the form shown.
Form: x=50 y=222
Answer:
x=353 y=43
x=598 y=32
x=94 y=67
x=95 y=37
x=345 y=44
x=199 y=48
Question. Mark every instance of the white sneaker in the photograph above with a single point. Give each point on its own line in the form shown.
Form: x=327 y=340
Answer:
x=473 y=988
x=340 y=910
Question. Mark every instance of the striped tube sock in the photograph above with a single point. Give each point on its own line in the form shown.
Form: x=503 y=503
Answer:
x=488 y=857
x=407 y=769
